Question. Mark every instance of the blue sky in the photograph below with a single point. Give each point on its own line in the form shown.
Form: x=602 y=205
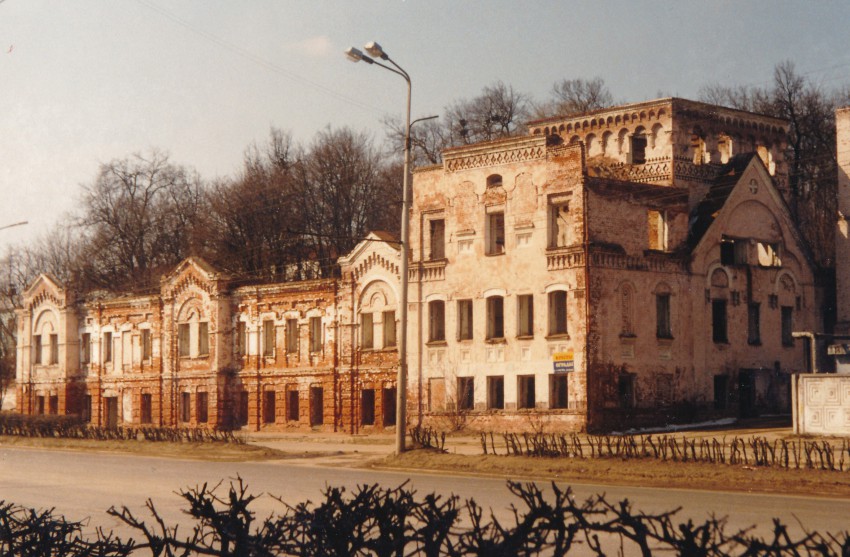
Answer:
x=86 y=81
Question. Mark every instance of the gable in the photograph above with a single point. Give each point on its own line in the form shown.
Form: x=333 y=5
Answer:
x=192 y=271
x=45 y=288
x=379 y=250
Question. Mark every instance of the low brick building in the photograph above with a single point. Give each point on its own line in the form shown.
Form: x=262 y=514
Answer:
x=635 y=265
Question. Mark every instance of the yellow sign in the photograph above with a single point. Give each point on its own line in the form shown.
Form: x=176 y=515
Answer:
x=562 y=356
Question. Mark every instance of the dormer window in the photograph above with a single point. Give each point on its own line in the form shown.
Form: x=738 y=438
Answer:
x=494 y=181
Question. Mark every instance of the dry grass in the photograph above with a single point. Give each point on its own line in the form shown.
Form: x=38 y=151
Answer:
x=638 y=472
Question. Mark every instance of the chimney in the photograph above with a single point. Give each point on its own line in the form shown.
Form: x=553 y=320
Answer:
x=842 y=229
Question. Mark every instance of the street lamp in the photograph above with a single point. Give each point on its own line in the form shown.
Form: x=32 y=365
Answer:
x=355 y=55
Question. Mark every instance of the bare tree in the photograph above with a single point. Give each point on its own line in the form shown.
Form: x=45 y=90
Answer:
x=571 y=96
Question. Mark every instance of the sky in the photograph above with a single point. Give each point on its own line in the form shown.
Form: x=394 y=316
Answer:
x=84 y=82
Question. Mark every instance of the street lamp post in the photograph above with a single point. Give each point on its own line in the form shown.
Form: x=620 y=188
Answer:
x=375 y=51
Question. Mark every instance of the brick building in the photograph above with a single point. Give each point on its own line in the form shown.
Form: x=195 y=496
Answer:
x=633 y=265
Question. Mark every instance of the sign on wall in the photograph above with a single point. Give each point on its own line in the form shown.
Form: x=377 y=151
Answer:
x=563 y=362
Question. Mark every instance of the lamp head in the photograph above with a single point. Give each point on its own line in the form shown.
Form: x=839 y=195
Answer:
x=375 y=50
x=355 y=55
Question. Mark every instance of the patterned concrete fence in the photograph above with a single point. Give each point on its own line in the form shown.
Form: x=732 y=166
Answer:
x=821 y=404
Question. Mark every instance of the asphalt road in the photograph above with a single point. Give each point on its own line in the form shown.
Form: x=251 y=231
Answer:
x=81 y=485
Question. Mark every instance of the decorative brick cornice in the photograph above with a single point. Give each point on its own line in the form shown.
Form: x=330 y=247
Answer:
x=495 y=153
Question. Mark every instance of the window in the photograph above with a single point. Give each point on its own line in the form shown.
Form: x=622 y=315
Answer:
x=718 y=321
x=54 y=350
x=366 y=331
x=292 y=406
x=292 y=336
x=733 y=252
x=721 y=390
x=525 y=391
x=560 y=234
x=464 y=319
x=107 y=347
x=787 y=325
x=53 y=404
x=203 y=338
x=663 y=327
x=186 y=407
x=242 y=409
x=389 y=329
x=39 y=404
x=558 y=312
x=496 y=392
x=36 y=344
x=268 y=407
x=241 y=338
x=268 y=338
x=315 y=334
x=317 y=404
x=465 y=393
x=626 y=391
x=183 y=340
x=436 y=321
x=85 y=348
x=202 y=403
x=768 y=255
x=388 y=401
x=86 y=414
x=146 y=410
x=558 y=391
x=437 y=239
x=525 y=315
x=638 y=148
x=367 y=407
x=657 y=226
x=495 y=233
x=147 y=348
x=754 y=324
x=495 y=317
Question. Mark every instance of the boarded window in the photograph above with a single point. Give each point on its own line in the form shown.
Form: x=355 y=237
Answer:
x=437 y=239
x=495 y=317
x=558 y=391
x=558 y=312
x=268 y=338
x=465 y=393
x=315 y=334
x=718 y=321
x=496 y=392
x=663 y=326
x=464 y=319
x=203 y=338
x=389 y=329
x=367 y=329
x=202 y=404
x=292 y=336
x=183 y=340
x=436 y=321
x=525 y=315
x=185 y=407
x=146 y=409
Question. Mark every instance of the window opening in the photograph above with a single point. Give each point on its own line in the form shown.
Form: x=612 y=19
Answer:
x=558 y=391
x=465 y=393
x=437 y=239
x=367 y=407
x=558 y=312
x=495 y=233
x=718 y=321
x=389 y=329
x=525 y=314
x=663 y=326
x=366 y=331
x=436 y=321
x=496 y=392
x=464 y=319
x=495 y=317
x=754 y=324
x=525 y=389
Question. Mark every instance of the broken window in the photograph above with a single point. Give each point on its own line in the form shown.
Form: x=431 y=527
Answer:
x=436 y=321
x=269 y=407
x=389 y=329
x=525 y=392
x=496 y=392
x=203 y=338
x=292 y=405
x=202 y=405
x=558 y=391
x=560 y=233
x=733 y=251
x=366 y=331
x=268 y=338
x=465 y=393
x=183 y=340
x=657 y=225
x=754 y=324
x=495 y=317
x=718 y=321
x=768 y=254
x=638 y=148
x=787 y=325
x=437 y=239
x=464 y=319
x=558 y=312
x=291 y=336
x=367 y=407
x=663 y=326
x=495 y=233
x=315 y=334
x=525 y=315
